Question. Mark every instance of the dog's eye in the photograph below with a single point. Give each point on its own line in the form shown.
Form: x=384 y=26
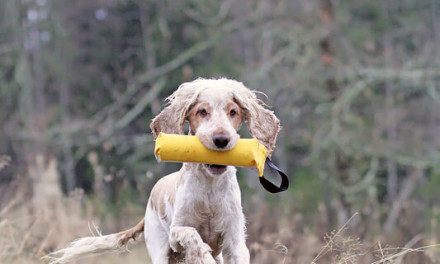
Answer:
x=233 y=113
x=203 y=112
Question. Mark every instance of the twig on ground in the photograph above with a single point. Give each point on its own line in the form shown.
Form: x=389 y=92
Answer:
x=403 y=253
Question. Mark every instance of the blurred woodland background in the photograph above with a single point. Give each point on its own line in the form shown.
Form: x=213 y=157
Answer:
x=356 y=85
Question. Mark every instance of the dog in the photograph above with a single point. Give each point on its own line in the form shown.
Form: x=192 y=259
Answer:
x=195 y=214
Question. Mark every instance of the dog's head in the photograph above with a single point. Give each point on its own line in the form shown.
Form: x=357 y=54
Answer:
x=215 y=110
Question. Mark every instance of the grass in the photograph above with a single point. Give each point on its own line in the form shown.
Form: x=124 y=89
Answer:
x=33 y=225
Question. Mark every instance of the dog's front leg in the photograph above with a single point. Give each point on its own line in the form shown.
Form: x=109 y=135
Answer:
x=238 y=254
x=235 y=250
x=219 y=259
x=187 y=238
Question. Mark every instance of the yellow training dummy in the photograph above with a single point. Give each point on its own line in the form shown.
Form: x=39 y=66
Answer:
x=247 y=153
x=180 y=148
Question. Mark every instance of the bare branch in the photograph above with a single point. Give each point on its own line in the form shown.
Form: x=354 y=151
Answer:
x=142 y=104
x=403 y=196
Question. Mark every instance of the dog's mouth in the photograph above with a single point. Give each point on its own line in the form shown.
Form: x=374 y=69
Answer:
x=216 y=169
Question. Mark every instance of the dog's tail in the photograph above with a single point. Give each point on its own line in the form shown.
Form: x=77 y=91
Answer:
x=96 y=245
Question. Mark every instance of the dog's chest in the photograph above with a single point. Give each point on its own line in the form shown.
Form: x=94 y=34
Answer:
x=211 y=237
x=214 y=219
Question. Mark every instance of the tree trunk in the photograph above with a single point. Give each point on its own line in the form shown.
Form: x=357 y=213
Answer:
x=389 y=104
x=327 y=46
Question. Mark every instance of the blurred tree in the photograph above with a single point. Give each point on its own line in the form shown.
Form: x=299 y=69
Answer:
x=355 y=84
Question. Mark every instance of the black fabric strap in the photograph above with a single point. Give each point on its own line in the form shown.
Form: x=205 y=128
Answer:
x=270 y=187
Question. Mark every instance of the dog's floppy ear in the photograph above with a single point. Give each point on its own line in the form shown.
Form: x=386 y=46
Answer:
x=262 y=123
x=264 y=126
x=172 y=118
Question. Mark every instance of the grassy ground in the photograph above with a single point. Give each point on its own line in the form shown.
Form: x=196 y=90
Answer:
x=39 y=219
x=26 y=235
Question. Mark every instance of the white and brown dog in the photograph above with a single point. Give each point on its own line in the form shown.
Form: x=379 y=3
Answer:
x=195 y=215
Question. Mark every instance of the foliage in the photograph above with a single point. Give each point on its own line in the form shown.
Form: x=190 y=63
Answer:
x=355 y=84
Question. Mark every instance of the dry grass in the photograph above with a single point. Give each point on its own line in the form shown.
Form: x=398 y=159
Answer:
x=347 y=249
x=26 y=235
x=294 y=244
x=32 y=226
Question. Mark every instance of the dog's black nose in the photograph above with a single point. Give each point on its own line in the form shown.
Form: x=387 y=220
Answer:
x=221 y=140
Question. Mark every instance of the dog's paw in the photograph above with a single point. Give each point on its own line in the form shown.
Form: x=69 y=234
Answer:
x=200 y=253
